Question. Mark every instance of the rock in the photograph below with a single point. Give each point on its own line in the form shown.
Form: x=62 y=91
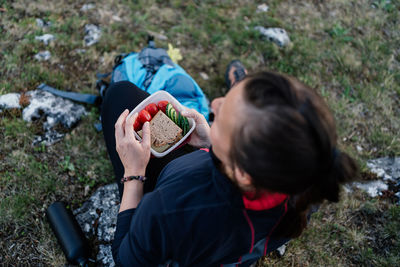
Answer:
x=42 y=24
x=8 y=101
x=378 y=171
x=80 y=51
x=347 y=188
x=86 y=190
x=93 y=34
x=276 y=35
x=281 y=250
x=98 y=218
x=107 y=223
x=388 y=171
x=43 y=56
x=105 y=256
x=116 y=18
x=87 y=7
x=373 y=188
x=262 y=8
x=204 y=76
x=56 y=110
x=45 y=38
x=387 y=168
x=157 y=35
x=50 y=137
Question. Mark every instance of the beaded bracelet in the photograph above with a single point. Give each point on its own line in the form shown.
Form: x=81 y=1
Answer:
x=130 y=178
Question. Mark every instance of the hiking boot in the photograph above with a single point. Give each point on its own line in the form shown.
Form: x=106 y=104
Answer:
x=235 y=72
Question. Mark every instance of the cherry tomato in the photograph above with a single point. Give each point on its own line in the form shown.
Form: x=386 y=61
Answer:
x=137 y=125
x=144 y=116
x=152 y=109
x=162 y=105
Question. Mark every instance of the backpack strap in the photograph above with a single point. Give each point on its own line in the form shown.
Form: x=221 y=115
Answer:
x=78 y=97
x=83 y=98
x=118 y=59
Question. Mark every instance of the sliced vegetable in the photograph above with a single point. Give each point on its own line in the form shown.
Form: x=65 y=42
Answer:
x=168 y=109
x=162 y=105
x=180 y=120
x=137 y=125
x=144 y=116
x=176 y=117
x=186 y=126
x=152 y=109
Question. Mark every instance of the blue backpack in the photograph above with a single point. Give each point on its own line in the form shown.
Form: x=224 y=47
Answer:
x=152 y=70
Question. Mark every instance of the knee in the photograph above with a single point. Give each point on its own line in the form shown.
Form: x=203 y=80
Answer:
x=119 y=88
x=118 y=91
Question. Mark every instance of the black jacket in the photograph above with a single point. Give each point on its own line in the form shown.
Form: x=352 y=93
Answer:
x=194 y=217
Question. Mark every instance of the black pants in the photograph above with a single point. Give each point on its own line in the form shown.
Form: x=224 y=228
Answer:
x=120 y=96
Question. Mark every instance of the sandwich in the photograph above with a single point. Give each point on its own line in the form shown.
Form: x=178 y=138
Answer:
x=164 y=132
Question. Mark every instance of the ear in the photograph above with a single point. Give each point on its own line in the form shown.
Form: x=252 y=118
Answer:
x=243 y=178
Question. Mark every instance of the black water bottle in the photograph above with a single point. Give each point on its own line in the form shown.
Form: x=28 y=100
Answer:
x=68 y=233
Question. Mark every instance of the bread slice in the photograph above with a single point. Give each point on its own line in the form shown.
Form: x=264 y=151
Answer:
x=164 y=132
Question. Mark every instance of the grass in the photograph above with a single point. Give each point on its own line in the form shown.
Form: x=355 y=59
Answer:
x=356 y=232
x=347 y=50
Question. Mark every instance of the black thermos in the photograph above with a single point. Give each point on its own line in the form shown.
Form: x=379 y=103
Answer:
x=68 y=233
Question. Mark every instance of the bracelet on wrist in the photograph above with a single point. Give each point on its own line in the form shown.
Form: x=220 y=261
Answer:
x=136 y=177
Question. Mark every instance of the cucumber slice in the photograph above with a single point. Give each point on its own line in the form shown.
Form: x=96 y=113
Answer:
x=182 y=121
x=174 y=116
x=178 y=117
x=172 y=113
x=168 y=110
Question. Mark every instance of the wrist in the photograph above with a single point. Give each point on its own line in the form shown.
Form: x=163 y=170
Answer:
x=133 y=193
x=207 y=142
x=133 y=185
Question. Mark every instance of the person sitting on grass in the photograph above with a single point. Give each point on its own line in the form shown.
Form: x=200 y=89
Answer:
x=271 y=154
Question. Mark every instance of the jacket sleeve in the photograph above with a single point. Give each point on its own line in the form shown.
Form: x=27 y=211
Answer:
x=123 y=223
x=147 y=241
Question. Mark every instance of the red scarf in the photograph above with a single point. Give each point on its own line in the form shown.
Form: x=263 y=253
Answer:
x=266 y=201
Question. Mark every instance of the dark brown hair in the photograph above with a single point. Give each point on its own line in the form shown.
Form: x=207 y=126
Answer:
x=288 y=145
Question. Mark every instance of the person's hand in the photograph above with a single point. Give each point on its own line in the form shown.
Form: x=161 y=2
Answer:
x=134 y=155
x=200 y=137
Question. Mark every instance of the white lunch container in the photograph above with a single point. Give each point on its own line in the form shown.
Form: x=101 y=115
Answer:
x=155 y=98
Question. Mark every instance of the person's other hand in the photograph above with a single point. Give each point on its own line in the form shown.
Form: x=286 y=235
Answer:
x=200 y=137
x=134 y=155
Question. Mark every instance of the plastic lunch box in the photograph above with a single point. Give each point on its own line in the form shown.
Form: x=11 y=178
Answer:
x=155 y=98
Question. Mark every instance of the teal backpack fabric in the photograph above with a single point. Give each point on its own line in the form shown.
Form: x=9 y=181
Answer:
x=169 y=77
